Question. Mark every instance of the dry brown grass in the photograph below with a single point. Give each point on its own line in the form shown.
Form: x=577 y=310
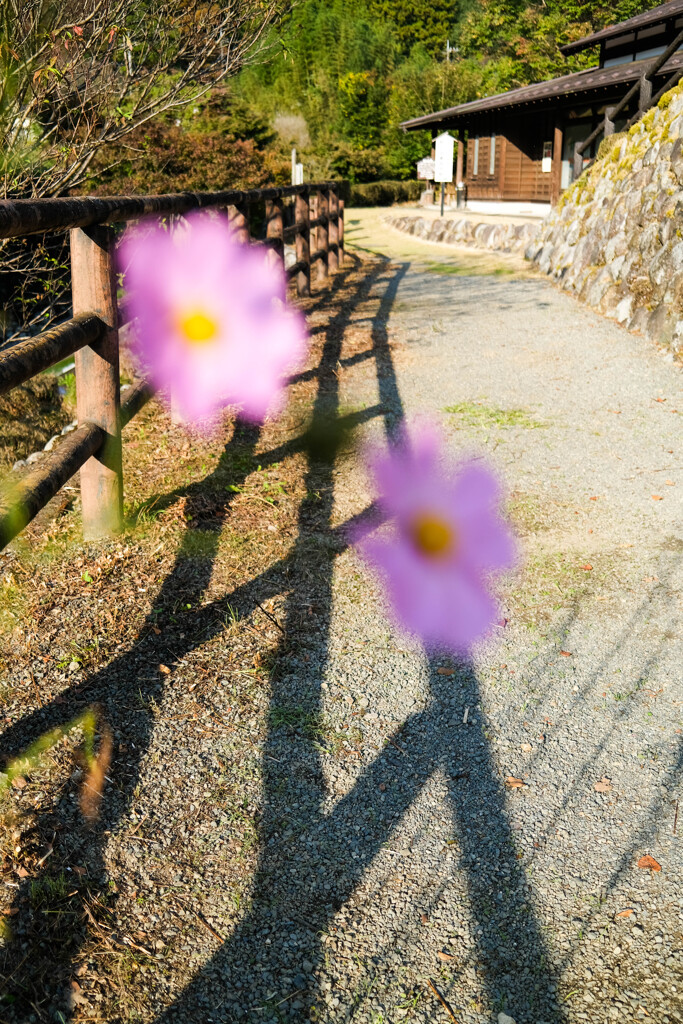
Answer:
x=146 y=627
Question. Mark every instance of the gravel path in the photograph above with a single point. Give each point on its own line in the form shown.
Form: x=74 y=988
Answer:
x=422 y=825
x=400 y=854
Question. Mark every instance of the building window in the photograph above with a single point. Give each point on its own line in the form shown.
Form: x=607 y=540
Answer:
x=492 y=157
x=475 y=161
x=547 y=159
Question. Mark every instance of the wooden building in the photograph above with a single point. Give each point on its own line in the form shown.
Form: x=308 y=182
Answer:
x=530 y=143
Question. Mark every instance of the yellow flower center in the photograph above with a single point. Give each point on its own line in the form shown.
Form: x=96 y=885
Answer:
x=432 y=536
x=198 y=328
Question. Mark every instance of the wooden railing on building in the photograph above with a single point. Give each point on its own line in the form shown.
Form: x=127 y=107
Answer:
x=92 y=334
x=644 y=89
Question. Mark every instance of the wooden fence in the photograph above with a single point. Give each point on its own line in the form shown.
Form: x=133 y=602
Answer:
x=292 y=214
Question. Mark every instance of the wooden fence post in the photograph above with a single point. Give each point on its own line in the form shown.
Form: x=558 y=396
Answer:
x=239 y=219
x=340 y=233
x=93 y=288
x=275 y=227
x=322 y=236
x=609 y=123
x=333 y=233
x=303 y=244
x=645 y=94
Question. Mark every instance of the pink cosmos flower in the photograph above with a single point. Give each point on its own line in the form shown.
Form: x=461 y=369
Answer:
x=212 y=325
x=447 y=538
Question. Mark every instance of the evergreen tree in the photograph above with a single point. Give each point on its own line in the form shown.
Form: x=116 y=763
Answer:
x=430 y=26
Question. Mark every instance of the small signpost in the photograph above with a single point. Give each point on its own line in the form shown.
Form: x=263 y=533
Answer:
x=425 y=169
x=443 y=161
x=297 y=170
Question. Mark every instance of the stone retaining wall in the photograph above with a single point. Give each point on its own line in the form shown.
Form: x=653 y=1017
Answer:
x=462 y=231
x=616 y=237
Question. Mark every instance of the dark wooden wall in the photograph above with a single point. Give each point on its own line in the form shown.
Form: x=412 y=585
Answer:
x=518 y=159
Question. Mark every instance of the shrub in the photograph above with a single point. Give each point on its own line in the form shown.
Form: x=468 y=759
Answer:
x=383 y=193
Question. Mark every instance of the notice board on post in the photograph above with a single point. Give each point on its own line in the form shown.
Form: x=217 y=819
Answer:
x=443 y=157
x=425 y=169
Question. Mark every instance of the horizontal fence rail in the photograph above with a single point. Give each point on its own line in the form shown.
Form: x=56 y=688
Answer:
x=28 y=358
x=295 y=216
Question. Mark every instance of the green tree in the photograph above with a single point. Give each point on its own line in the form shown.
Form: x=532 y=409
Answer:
x=431 y=27
x=362 y=108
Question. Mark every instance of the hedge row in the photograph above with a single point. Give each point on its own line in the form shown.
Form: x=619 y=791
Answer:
x=381 y=193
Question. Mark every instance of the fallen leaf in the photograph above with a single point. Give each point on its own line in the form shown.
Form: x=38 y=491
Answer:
x=669 y=483
x=603 y=786
x=660 y=399
x=424 y=919
x=156 y=630
x=587 y=567
x=527 y=748
x=21 y=872
x=19 y=782
x=75 y=997
x=657 y=497
x=165 y=670
x=446 y=671
x=514 y=783
x=445 y=956
x=566 y=654
x=649 y=863
x=10 y=911
x=625 y=913
x=594 y=498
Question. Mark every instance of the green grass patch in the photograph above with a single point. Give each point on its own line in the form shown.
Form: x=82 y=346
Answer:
x=295 y=718
x=447 y=268
x=477 y=414
x=467 y=271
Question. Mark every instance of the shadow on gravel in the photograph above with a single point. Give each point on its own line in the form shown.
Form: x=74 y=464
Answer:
x=310 y=861
x=37 y=966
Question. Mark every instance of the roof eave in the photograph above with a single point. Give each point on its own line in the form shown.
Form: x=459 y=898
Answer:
x=581 y=44
x=646 y=19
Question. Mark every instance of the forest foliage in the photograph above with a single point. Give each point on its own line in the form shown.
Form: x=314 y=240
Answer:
x=347 y=72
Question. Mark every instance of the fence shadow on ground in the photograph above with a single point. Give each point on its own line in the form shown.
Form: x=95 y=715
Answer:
x=311 y=860
x=35 y=967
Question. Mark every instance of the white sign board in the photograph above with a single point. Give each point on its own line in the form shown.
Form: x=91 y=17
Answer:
x=425 y=169
x=443 y=147
x=298 y=174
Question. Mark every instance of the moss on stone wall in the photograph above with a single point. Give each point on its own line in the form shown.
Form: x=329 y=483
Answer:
x=614 y=237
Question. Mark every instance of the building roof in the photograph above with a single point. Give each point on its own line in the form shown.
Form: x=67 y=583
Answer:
x=567 y=86
x=657 y=14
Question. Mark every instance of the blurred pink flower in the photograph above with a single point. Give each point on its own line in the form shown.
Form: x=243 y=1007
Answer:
x=212 y=325
x=447 y=538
